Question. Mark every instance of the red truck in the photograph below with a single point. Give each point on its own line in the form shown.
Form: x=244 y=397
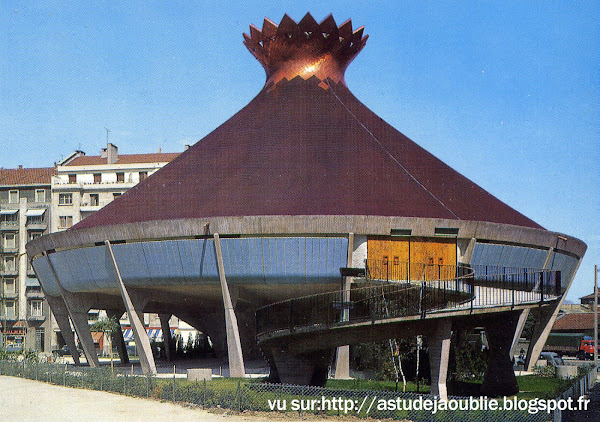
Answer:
x=570 y=344
x=586 y=349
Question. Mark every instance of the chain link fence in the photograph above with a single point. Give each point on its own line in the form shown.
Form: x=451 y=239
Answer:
x=248 y=395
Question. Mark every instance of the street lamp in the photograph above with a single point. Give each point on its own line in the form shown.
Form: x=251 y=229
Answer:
x=596 y=315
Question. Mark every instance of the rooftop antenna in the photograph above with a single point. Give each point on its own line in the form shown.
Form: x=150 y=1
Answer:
x=107 y=131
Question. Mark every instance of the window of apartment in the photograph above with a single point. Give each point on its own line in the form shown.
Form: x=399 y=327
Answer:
x=120 y=177
x=97 y=178
x=40 y=195
x=9 y=308
x=94 y=199
x=9 y=286
x=116 y=195
x=143 y=175
x=72 y=178
x=9 y=263
x=35 y=308
x=66 y=221
x=33 y=235
x=10 y=240
x=13 y=196
x=65 y=198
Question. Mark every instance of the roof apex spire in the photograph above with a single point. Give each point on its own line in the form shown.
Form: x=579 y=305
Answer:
x=305 y=49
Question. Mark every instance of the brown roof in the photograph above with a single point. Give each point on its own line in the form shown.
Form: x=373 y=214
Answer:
x=159 y=157
x=299 y=149
x=574 y=322
x=305 y=146
x=27 y=176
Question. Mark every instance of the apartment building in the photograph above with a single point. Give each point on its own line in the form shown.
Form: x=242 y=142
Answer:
x=36 y=201
x=83 y=184
x=25 y=197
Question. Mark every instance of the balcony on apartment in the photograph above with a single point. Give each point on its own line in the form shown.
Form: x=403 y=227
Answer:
x=33 y=290
x=9 y=294
x=9 y=317
x=35 y=219
x=9 y=219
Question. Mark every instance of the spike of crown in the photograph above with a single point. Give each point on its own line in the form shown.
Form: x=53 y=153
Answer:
x=305 y=49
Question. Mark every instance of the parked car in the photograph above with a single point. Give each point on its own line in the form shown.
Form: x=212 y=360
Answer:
x=13 y=348
x=552 y=358
x=64 y=351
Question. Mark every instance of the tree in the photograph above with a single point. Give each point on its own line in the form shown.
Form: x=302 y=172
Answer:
x=107 y=326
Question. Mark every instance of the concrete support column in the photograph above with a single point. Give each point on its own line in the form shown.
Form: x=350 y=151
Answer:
x=134 y=307
x=439 y=355
x=302 y=369
x=78 y=306
x=61 y=315
x=543 y=326
x=499 y=378
x=234 y=345
x=212 y=324
x=342 y=356
x=166 y=330
x=525 y=314
x=117 y=336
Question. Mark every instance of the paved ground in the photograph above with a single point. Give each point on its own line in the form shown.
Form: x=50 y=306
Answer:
x=27 y=400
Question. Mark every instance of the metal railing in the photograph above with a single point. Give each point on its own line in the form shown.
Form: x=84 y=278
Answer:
x=465 y=288
x=248 y=395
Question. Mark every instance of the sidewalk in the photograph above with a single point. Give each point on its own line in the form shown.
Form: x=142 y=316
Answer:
x=27 y=400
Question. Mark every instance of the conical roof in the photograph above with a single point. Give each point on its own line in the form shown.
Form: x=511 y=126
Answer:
x=305 y=146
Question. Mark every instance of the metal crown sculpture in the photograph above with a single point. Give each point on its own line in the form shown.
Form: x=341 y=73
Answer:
x=305 y=49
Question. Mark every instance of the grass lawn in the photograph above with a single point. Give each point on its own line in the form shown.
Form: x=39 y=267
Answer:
x=358 y=384
x=532 y=386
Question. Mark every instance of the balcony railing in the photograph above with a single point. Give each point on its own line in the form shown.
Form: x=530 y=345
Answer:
x=9 y=295
x=461 y=288
x=36 y=317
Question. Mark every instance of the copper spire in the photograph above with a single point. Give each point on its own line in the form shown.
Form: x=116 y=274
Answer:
x=305 y=49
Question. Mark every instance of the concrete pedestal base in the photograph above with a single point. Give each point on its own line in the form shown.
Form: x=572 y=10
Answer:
x=199 y=374
x=499 y=378
x=306 y=369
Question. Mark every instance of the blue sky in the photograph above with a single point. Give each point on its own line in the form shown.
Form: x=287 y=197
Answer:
x=506 y=92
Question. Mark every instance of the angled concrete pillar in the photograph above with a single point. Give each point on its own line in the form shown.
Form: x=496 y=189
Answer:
x=342 y=355
x=78 y=305
x=543 y=326
x=166 y=330
x=234 y=345
x=525 y=314
x=117 y=336
x=499 y=378
x=61 y=315
x=439 y=355
x=134 y=302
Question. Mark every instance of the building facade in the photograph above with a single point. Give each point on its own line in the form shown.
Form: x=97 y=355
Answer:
x=36 y=201
x=25 y=202
x=84 y=184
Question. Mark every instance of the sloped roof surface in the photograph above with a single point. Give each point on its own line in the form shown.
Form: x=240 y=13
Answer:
x=574 y=322
x=27 y=176
x=302 y=148
x=159 y=157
